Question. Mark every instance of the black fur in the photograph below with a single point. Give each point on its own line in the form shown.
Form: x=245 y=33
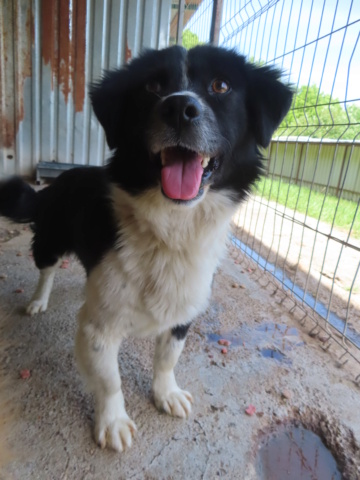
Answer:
x=180 y=331
x=18 y=200
x=75 y=213
x=246 y=117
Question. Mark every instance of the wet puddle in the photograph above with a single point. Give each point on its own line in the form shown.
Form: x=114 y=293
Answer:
x=283 y=336
x=283 y=339
x=274 y=354
x=296 y=454
x=272 y=340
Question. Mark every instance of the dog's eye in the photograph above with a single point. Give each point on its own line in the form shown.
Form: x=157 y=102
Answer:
x=220 y=86
x=153 y=86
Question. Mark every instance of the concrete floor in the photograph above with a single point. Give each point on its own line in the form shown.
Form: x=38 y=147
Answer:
x=52 y=435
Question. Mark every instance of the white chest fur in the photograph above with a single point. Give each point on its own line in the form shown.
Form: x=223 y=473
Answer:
x=160 y=274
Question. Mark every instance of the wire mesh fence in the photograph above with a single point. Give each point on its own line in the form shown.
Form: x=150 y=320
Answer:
x=187 y=16
x=301 y=225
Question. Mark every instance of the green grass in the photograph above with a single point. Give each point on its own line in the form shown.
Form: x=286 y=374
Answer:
x=308 y=201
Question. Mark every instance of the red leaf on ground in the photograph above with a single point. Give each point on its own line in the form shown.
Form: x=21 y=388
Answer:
x=19 y=290
x=25 y=373
x=250 y=410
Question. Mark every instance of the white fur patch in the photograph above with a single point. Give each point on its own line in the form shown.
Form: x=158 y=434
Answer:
x=113 y=427
x=160 y=275
x=168 y=396
x=40 y=299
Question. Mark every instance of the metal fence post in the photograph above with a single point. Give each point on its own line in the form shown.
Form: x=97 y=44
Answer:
x=216 y=21
x=180 y=24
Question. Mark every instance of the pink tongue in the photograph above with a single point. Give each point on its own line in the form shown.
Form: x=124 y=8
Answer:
x=181 y=178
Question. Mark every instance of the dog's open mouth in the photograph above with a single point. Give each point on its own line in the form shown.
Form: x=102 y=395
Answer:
x=182 y=172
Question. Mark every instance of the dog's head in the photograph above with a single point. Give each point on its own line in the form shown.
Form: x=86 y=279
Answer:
x=186 y=121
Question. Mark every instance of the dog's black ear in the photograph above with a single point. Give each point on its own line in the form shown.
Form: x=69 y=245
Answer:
x=106 y=98
x=268 y=101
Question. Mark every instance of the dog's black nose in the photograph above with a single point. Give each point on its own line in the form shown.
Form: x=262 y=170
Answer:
x=180 y=110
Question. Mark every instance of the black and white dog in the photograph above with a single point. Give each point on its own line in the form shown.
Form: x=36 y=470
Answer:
x=150 y=227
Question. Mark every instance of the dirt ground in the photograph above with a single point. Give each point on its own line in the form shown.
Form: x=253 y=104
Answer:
x=298 y=382
x=324 y=267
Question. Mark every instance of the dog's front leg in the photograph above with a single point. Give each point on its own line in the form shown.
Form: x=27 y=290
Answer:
x=167 y=395
x=97 y=358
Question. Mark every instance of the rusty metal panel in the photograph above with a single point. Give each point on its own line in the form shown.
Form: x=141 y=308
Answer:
x=50 y=50
x=16 y=33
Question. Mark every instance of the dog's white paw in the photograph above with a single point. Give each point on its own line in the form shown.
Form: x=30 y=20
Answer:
x=176 y=403
x=113 y=427
x=116 y=434
x=36 y=306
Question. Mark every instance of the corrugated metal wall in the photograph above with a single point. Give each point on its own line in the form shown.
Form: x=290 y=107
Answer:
x=49 y=52
x=320 y=164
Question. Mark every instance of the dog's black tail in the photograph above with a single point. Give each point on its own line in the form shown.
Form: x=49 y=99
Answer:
x=18 y=200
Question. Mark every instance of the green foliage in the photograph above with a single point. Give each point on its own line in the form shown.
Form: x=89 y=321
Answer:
x=314 y=204
x=258 y=63
x=316 y=114
x=190 y=39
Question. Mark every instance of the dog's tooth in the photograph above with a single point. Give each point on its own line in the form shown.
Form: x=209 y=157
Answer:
x=162 y=156
x=205 y=162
